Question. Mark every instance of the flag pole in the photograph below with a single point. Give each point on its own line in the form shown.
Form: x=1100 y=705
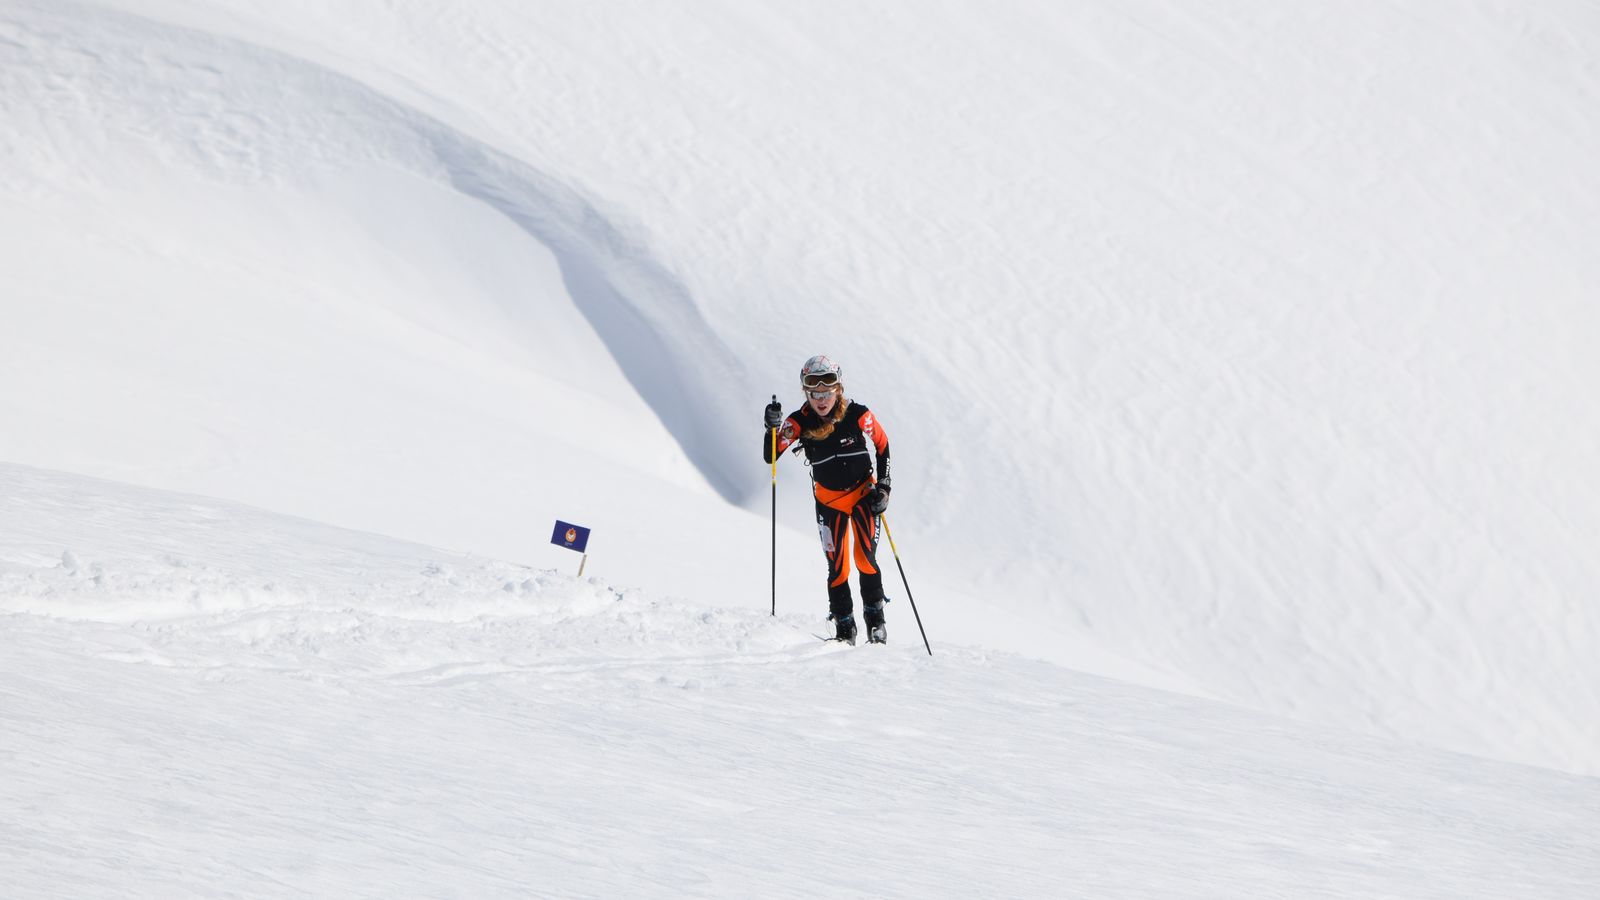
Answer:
x=581 y=563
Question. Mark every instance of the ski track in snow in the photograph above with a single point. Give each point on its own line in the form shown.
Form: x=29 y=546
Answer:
x=201 y=699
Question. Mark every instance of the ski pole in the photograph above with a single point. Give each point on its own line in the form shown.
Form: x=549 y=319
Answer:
x=903 y=581
x=775 y=516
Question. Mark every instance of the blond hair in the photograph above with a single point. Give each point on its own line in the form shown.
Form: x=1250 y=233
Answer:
x=834 y=418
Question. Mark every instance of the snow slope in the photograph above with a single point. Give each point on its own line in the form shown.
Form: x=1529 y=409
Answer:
x=201 y=699
x=1239 y=349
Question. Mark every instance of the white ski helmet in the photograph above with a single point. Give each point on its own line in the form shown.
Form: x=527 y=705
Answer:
x=820 y=371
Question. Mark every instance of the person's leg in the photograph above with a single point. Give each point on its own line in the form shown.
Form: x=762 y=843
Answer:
x=865 y=526
x=833 y=527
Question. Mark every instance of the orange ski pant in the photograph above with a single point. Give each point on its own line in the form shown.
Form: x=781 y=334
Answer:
x=842 y=516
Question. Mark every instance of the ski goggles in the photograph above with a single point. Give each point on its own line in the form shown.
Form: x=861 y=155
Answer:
x=819 y=394
x=826 y=379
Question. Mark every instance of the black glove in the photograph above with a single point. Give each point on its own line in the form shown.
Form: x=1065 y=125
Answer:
x=878 y=500
x=774 y=416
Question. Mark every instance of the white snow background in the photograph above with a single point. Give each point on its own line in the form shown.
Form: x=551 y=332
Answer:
x=1237 y=359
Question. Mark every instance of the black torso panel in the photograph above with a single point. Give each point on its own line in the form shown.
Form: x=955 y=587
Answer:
x=843 y=459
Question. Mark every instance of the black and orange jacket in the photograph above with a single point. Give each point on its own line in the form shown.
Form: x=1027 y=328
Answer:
x=841 y=465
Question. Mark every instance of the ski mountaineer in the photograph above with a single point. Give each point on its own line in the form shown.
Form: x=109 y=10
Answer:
x=834 y=431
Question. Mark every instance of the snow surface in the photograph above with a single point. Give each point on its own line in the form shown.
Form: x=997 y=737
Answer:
x=204 y=699
x=1240 y=350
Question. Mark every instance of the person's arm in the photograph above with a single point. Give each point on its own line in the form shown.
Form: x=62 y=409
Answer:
x=873 y=429
x=788 y=430
x=878 y=500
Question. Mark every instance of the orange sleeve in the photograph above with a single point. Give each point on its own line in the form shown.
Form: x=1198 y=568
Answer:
x=873 y=429
x=788 y=433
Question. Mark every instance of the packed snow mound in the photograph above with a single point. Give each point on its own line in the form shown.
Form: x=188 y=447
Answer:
x=211 y=582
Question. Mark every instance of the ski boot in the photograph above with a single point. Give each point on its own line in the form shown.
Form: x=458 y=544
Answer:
x=845 y=629
x=877 y=632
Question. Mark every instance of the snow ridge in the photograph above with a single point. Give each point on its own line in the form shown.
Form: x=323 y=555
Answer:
x=244 y=114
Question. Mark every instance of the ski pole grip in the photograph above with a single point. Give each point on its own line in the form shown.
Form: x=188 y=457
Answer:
x=774 y=457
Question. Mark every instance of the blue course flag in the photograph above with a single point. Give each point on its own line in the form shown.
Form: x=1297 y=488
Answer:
x=572 y=537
